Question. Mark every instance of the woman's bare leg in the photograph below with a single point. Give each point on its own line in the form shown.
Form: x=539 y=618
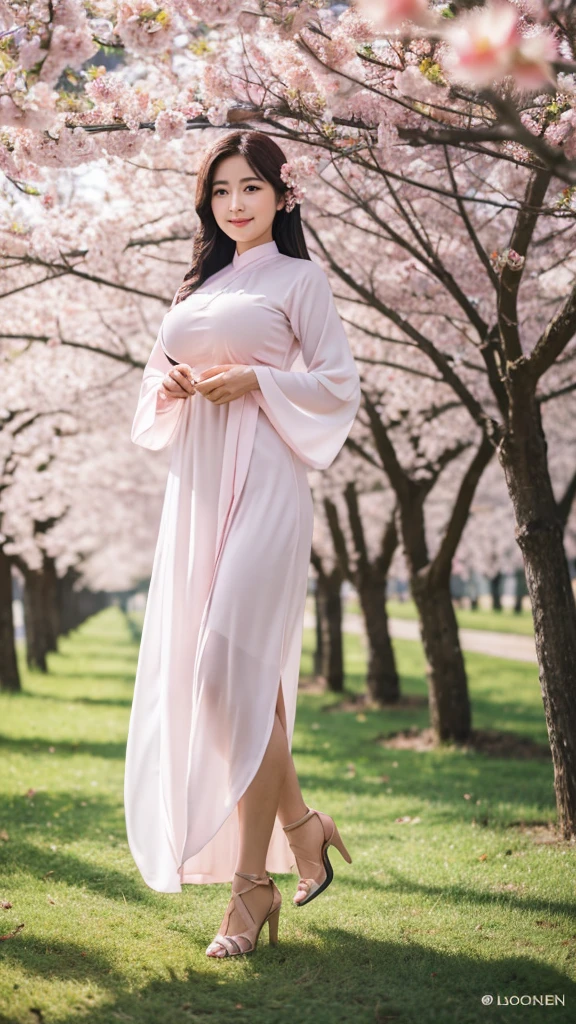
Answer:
x=256 y=815
x=291 y=804
x=259 y=804
x=291 y=807
x=274 y=790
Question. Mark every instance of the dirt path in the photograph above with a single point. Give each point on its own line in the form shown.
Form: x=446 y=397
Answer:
x=500 y=645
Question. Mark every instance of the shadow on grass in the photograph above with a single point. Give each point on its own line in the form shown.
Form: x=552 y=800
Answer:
x=50 y=958
x=437 y=787
x=115 y=702
x=330 y=977
x=128 y=654
x=460 y=895
x=60 y=866
x=134 y=628
x=35 y=746
x=340 y=752
x=85 y=676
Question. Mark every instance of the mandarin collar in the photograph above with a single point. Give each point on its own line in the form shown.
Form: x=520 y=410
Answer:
x=254 y=253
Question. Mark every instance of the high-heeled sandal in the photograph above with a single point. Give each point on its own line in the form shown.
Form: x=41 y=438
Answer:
x=331 y=837
x=252 y=931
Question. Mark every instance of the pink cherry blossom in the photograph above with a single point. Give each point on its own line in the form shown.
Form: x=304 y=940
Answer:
x=387 y=137
x=488 y=44
x=144 y=26
x=170 y=124
x=217 y=114
x=29 y=53
x=482 y=42
x=531 y=60
x=216 y=11
x=391 y=14
x=68 y=48
x=106 y=88
x=125 y=144
x=414 y=84
x=10 y=112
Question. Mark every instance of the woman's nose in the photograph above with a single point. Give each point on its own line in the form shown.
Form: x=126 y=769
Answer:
x=236 y=201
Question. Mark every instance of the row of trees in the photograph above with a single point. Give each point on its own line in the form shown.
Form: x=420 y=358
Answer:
x=439 y=159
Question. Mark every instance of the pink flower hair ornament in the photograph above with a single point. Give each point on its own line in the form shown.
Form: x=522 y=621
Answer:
x=295 y=192
x=291 y=197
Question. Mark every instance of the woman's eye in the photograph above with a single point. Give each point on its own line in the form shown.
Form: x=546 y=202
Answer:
x=222 y=191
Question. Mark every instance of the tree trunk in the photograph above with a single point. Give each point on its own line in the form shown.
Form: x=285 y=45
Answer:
x=521 y=590
x=35 y=620
x=67 y=603
x=496 y=591
x=446 y=673
x=318 y=651
x=9 y=675
x=370 y=579
x=430 y=579
x=473 y=591
x=539 y=534
x=330 y=603
x=382 y=679
x=51 y=604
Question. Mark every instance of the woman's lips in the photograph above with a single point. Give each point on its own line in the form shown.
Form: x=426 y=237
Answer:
x=240 y=223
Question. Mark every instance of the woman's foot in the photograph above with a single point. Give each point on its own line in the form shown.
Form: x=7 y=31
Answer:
x=255 y=900
x=306 y=842
x=309 y=839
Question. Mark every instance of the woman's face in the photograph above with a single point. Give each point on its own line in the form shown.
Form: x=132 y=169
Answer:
x=243 y=203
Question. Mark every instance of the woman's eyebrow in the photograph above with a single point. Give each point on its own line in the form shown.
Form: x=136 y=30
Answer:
x=251 y=178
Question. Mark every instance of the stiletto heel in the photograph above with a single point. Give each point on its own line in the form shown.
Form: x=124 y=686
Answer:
x=336 y=841
x=230 y=943
x=330 y=837
x=273 y=927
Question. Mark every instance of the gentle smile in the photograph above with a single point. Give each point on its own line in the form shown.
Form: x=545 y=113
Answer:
x=242 y=220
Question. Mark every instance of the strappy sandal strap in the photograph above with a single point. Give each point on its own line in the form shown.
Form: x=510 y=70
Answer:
x=258 y=879
x=227 y=942
x=310 y=883
x=294 y=824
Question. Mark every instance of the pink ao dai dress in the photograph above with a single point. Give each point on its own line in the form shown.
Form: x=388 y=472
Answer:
x=223 y=622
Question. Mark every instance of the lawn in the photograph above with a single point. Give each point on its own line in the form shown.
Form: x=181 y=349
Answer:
x=506 y=621
x=469 y=897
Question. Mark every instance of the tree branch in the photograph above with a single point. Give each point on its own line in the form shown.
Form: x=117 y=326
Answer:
x=484 y=421
x=567 y=500
x=526 y=221
x=338 y=538
x=442 y=562
x=555 y=338
x=137 y=364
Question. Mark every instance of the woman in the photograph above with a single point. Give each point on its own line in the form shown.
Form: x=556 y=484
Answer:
x=211 y=792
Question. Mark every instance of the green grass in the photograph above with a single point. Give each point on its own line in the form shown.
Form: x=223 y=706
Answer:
x=431 y=915
x=505 y=621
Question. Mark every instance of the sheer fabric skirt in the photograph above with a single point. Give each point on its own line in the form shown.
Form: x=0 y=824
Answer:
x=207 y=709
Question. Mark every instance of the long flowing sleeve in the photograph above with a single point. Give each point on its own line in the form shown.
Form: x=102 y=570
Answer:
x=156 y=420
x=313 y=411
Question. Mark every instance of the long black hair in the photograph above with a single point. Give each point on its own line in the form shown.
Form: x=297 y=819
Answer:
x=213 y=249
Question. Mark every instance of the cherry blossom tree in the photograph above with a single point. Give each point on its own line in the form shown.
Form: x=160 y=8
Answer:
x=446 y=137
x=63 y=453
x=329 y=655
x=359 y=518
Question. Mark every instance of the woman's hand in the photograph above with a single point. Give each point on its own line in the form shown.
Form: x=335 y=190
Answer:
x=224 y=383
x=177 y=383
